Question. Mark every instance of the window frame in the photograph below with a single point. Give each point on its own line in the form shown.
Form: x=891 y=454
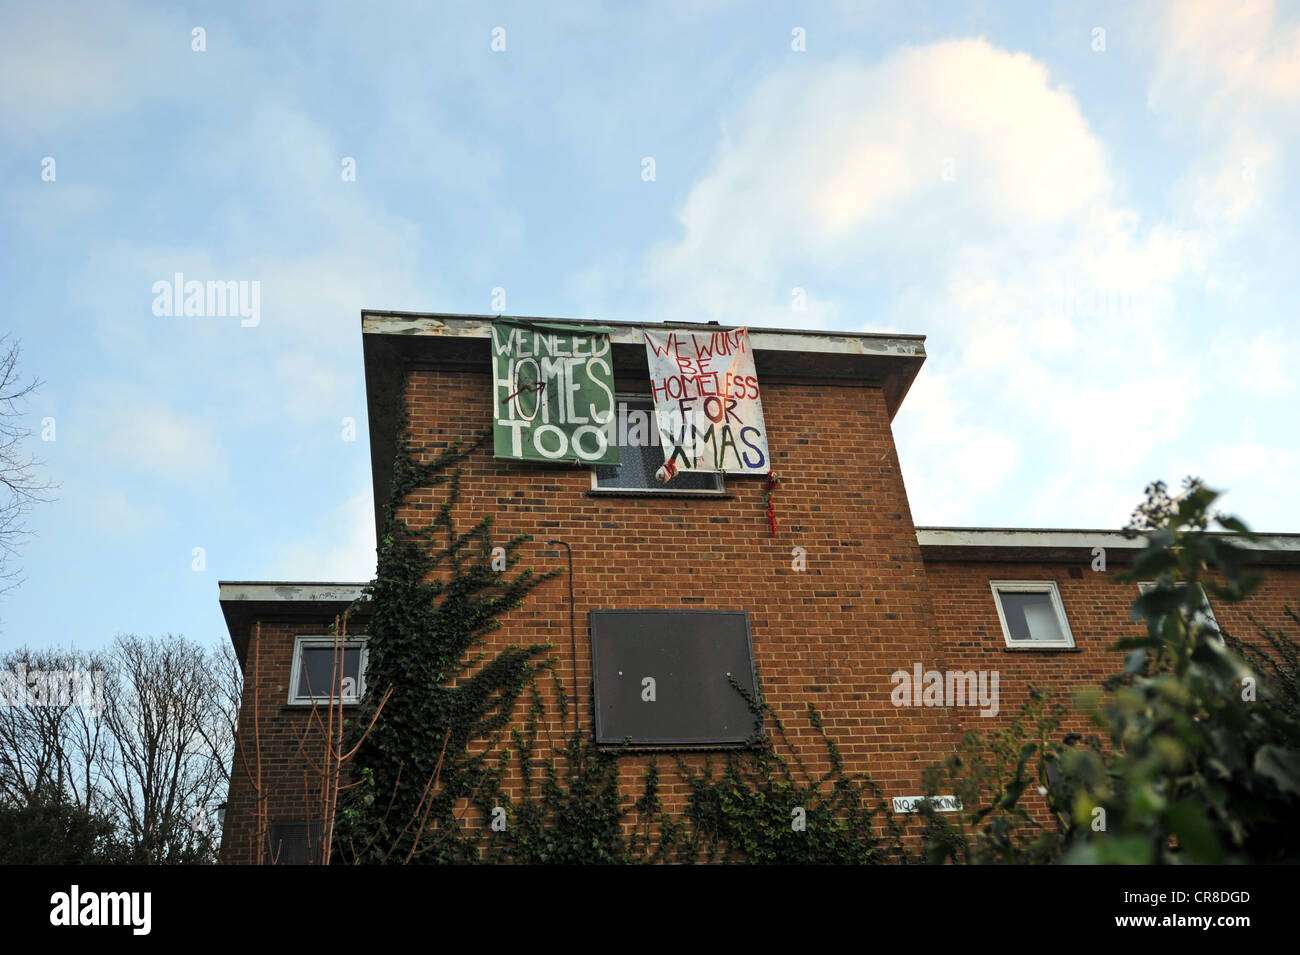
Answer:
x=1033 y=587
x=305 y=640
x=1145 y=585
x=621 y=399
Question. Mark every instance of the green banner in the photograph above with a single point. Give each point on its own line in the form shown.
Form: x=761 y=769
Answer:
x=553 y=392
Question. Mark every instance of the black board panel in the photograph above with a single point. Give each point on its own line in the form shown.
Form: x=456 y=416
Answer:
x=688 y=654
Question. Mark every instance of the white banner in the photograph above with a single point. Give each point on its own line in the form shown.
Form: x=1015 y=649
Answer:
x=707 y=402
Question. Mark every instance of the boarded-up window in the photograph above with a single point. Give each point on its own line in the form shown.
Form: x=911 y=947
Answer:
x=664 y=678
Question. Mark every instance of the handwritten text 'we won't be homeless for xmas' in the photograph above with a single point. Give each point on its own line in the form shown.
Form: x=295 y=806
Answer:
x=706 y=399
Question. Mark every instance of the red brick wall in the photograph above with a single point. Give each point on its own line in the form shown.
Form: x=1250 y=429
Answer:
x=865 y=607
x=830 y=635
x=1097 y=608
x=275 y=737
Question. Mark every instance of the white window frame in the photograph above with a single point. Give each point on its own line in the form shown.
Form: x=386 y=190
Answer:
x=1033 y=587
x=621 y=398
x=1145 y=585
x=317 y=641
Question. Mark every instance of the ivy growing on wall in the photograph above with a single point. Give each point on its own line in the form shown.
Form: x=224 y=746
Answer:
x=767 y=808
x=430 y=772
x=433 y=600
x=1192 y=764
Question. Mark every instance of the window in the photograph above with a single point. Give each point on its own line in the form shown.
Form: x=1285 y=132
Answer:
x=641 y=455
x=664 y=678
x=1031 y=614
x=1203 y=616
x=316 y=660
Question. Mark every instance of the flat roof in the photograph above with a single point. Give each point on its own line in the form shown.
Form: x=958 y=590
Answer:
x=1072 y=544
x=385 y=321
x=395 y=341
x=243 y=602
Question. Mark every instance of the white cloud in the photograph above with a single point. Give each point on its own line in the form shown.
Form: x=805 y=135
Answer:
x=44 y=209
x=1228 y=71
x=1218 y=52
x=112 y=511
x=950 y=461
x=1057 y=311
x=1258 y=481
x=342 y=551
x=67 y=65
x=138 y=432
x=827 y=167
x=1269 y=369
x=310 y=387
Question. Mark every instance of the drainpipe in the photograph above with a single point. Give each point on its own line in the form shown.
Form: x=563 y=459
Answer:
x=573 y=636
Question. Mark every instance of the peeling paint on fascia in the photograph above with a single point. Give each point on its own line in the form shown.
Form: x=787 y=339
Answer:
x=1030 y=538
x=290 y=593
x=765 y=340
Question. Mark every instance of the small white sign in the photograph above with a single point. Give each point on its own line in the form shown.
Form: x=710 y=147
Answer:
x=940 y=803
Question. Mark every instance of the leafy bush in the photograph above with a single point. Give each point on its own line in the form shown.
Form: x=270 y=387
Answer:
x=1201 y=757
x=50 y=829
x=436 y=750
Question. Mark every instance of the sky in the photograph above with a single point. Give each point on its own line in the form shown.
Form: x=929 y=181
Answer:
x=1089 y=209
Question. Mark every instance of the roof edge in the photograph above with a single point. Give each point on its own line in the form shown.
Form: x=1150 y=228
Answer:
x=1073 y=544
x=431 y=319
x=244 y=602
x=393 y=342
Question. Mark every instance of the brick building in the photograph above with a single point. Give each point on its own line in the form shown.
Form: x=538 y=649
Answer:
x=845 y=595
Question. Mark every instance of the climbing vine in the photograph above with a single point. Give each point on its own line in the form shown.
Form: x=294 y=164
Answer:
x=432 y=602
x=430 y=775
x=764 y=807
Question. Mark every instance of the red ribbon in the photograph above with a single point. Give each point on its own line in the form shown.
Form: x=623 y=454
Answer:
x=773 y=482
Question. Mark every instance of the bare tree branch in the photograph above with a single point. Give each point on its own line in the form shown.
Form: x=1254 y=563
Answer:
x=20 y=487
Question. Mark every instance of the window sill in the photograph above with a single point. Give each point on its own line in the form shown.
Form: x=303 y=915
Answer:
x=642 y=749
x=320 y=705
x=614 y=492
x=1043 y=649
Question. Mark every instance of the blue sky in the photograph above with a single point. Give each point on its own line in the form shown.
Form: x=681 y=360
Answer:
x=1097 y=231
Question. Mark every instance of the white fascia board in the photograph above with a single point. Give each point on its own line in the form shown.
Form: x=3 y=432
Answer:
x=983 y=537
x=271 y=592
x=762 y=339
x=1084 y=539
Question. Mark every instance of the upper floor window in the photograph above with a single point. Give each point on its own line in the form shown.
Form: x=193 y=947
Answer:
x=1205 y=615
x=318 y=661
x=641 y=456
x=1031 y=614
